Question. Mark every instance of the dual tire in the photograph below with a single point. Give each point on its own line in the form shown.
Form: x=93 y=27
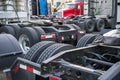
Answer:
x=39 y=53
x=89 y=39
x=29 y=36
x=10 y=29
x=91 y=25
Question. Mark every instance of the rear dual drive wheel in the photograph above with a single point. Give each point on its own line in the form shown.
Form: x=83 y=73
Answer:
x=27 y=38
x=89 y=39
x=89 y=25
x=42 y=53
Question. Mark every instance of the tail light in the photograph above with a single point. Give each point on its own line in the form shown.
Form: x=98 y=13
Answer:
x=53 y=36
x=61 y=39
x=54 y=78
x=43 y=36
x=74 y=37
x=81 y=32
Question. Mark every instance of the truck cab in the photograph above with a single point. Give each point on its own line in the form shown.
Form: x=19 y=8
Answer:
x=71 y=10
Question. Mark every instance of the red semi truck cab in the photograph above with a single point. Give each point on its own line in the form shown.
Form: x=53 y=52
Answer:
x=71 y=10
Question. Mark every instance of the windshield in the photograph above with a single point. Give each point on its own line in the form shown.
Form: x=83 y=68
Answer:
x=70 y=5
x=59 y=14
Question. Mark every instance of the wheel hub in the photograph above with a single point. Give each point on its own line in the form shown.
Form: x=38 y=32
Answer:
x=24 y=43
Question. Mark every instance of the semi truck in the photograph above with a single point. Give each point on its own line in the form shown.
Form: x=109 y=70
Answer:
x=30 y=31
x=71 y=10
x=35 y=31
x=93 y=58
x=97 y=15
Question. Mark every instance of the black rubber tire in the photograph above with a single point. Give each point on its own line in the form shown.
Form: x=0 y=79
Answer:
x=33 y=37
x=32 y=55
x=39 y=31
x=16 y=29
x=81 y=42
x=86 y=39
x=37 y=49
x=22 y=74
x=9 y=44
x=89 y=25
x=52 y=50
x=30 y=33
x=100 y=24
x=8 y=30
x=109 y=24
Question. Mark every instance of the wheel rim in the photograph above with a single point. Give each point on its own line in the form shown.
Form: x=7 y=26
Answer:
x=24 y=43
